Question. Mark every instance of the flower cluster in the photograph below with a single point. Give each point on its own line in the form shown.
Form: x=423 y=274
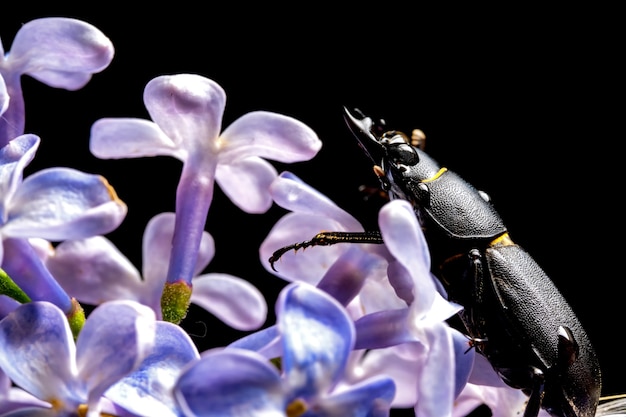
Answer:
x=360 y=329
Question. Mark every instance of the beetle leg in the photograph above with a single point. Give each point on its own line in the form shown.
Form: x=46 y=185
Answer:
x=327 y=239
x=536 y=394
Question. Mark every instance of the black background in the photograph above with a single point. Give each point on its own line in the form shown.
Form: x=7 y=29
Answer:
x=522 y=102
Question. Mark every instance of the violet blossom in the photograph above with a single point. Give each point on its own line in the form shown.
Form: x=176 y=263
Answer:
x=186 y=112
x=58 y=51
x=94 y=271
x=41 y=357
x=54 y=204
x=149 y=390
x=317 y=338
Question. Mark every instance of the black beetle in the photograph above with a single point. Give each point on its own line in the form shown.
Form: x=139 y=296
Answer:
x=513 y=313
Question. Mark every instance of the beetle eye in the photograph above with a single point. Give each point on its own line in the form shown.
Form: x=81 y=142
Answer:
x=403 y=154
x=399 y=151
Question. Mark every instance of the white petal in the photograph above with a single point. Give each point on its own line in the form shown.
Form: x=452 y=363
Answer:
x=93 y=271
x=119 y=334
x=113 y=138
x=247 y=182
x=234 y=300
x=63 y=203
x=188 y=108
x=269 y=135
x=38 y=352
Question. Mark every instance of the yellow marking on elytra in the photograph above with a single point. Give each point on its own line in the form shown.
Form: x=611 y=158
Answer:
x=502 y=240
x=437 y=175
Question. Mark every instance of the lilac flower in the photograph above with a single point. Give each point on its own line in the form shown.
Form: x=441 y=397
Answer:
x=54 y=204
x=187 y=111
x=94 y=271
x=353 y=274
x=148 y=391
x=401 y=315
x=39 y=354
x=317 y=336
x=486 y=387
x=59 y=52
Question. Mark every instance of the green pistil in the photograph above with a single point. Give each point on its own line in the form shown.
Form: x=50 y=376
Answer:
x=76 y=318
x=175 y=301
x=10 y=288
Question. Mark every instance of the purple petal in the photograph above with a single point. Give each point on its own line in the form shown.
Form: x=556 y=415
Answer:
x=118 y=333
x=93 y=271
x=147 y=391
x=404 y=238
x=382 y=329
x=403 y=369
x=233 y=300
x=60 y=52
x=188 y=108
x=377 y=294
x=346 y=276
x=402 y=281
x=14 y=157
x=114 y=138
x=18 y=399
x=38 y=353
x=464 y=360
x=502 y=401
x=12 y=398
x=484 y=374
x=7 y=305
x=231 y=382
x=269 y=135
x=63 y=203
x=370 y=398
x=436 y=400
x=246 y=182
x=265 y=341
x=318 y=336
x=4 y=95
x=291 y=193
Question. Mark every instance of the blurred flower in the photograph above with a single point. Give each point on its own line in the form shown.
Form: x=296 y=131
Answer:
x=58 y=51
x=39 y=354
x=317 y=337
x=148 y=391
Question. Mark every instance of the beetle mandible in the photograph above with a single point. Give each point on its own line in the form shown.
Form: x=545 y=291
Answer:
x=513 y=312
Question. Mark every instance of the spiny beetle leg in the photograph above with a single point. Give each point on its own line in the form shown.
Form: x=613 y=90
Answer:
x=327 y=239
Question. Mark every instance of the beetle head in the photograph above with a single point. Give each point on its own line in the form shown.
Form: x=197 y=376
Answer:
x=390 y=150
